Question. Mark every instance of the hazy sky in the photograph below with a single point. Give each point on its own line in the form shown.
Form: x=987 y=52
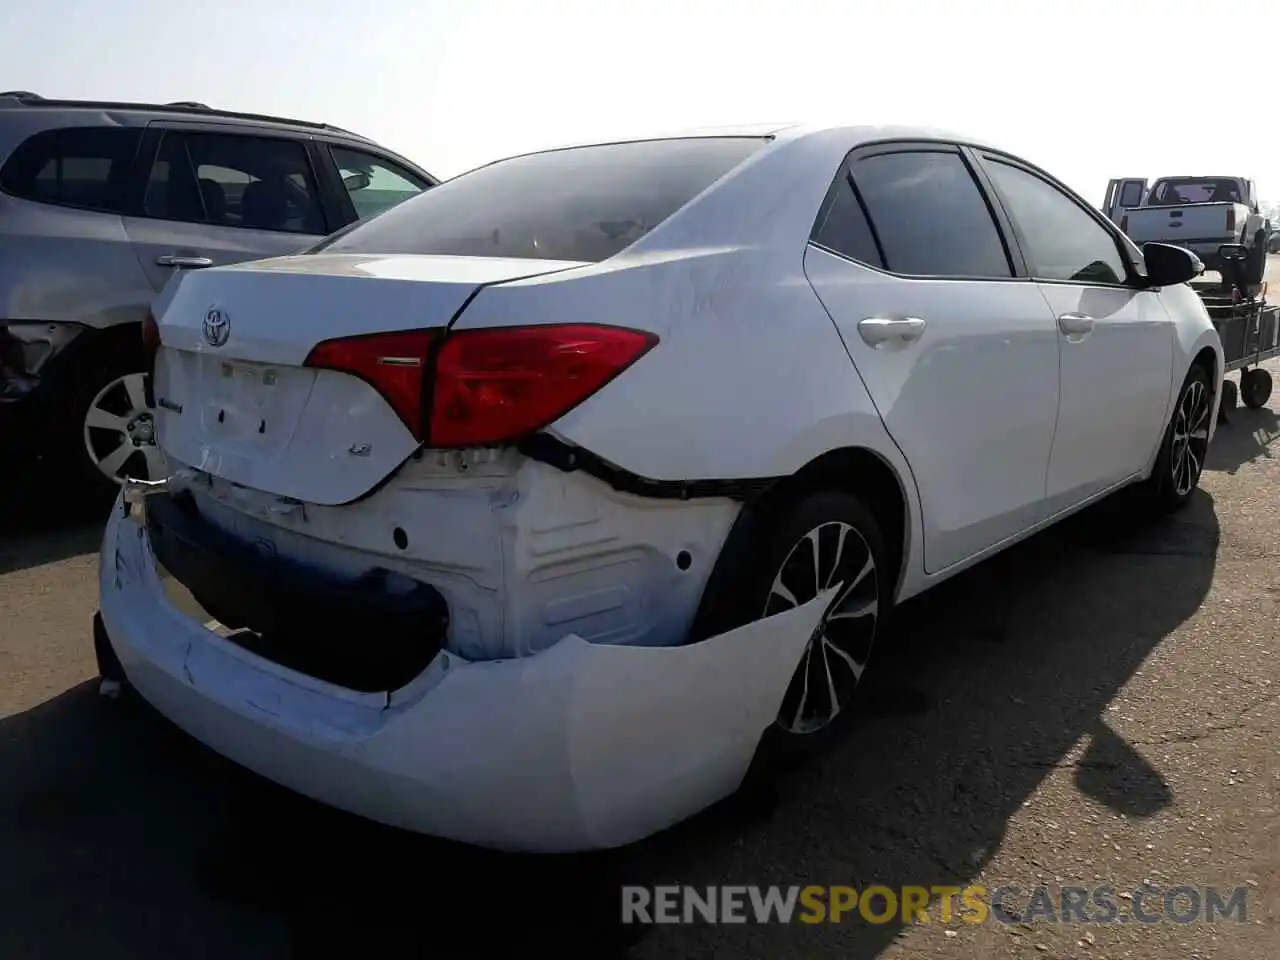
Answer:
x=1089 y=89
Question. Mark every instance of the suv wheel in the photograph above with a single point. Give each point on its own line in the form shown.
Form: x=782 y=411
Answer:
x=109 y=432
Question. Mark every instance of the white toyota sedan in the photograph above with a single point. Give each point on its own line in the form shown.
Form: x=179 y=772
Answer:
x=528 y=511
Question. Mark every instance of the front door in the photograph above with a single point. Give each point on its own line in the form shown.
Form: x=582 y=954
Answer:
x=214 y=198
x=1117 y=339
x=1123 y=195
x=960 y=358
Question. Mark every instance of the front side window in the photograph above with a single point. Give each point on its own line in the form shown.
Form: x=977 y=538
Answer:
x=82 y=167
x=374 y=184
x=231 y=180
x=582 y=204
x=930 y=216
x=1063 y=242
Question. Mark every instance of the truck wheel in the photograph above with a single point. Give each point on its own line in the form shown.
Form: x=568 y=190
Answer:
x=1255 y=388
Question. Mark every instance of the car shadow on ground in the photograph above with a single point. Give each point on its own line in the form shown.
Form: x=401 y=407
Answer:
x=1247 y=436
x=125 y=839
x=44 y=520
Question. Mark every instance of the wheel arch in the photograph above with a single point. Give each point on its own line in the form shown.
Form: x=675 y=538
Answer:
x=859 y=471
x=116 y=344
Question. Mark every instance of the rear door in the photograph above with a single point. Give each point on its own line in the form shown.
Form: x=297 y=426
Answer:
x=1117 y=340
x=957 y=350
x=215 y=196
x=1123 y=194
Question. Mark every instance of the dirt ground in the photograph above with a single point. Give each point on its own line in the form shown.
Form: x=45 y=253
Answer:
x=1098 y=705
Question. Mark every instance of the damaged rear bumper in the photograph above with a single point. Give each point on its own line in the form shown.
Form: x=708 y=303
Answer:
x=578 y=747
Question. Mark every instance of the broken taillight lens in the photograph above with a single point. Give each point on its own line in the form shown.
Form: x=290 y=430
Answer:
x=488 y=387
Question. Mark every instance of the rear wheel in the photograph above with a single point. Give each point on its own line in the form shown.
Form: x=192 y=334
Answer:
x=107 y=431
x=823 y=539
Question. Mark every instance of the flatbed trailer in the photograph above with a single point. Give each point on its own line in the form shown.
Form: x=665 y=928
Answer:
x=1249 y=328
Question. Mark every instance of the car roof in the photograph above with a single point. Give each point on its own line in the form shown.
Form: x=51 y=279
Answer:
x=853 y=135
x=133 y=112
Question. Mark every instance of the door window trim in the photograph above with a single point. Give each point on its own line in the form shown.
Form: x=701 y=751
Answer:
x=158 y=130
x=1133 y=279
x=1000 y=221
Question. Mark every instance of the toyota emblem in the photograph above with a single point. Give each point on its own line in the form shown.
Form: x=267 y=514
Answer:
x=216 y=327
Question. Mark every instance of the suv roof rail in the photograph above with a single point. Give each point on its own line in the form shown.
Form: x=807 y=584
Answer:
x=179 y=107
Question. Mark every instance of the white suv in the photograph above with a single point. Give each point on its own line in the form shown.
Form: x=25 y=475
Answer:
x=519 y=513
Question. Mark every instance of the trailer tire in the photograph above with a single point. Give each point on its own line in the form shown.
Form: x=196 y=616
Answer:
x=1230 y=400
x=1255 y=388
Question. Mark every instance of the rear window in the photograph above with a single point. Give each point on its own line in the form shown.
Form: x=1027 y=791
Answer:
x=84 y=167
x=1195 y=190
x=584 y=203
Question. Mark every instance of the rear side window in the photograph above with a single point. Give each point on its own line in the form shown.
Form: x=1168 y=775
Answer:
x=82 y=167
x=233 y=180
x=929 y=215
x=845 y=228
x=584 y=203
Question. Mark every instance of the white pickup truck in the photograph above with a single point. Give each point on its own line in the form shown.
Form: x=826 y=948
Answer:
x=1199 y=213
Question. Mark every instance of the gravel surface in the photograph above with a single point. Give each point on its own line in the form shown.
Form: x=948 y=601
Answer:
x=1098 y=705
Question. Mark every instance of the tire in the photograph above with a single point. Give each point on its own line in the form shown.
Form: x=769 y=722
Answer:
x=1180 y=462
x=777 y=574
x=1230 y=400
x=105 y=417
x=1255 y=388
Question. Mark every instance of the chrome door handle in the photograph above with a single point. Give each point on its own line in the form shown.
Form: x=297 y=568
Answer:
x=173 y=260
x=878 y=330
x=1075 y=323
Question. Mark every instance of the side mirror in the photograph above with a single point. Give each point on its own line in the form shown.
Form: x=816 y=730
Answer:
x=1233 y=251
x=356 y=181
x=1168 y=265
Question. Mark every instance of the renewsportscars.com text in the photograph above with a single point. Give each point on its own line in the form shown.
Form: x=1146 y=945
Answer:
x=878 y=904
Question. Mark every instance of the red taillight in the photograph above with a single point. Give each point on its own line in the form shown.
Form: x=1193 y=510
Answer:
x=1124 y=224
x=392 y=363
x=496 y=385
x=490 y=386
x=1231 y=219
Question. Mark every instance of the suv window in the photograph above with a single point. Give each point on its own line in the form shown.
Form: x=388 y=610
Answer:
x=845 y=228
x=1063 y=242
x=930 y=216
x=582 y=203
x=84 y=167
x=232 y=180
x=1131 y=195
x=374 y=184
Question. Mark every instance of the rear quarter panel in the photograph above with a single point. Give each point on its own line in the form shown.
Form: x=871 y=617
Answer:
x=749 y=380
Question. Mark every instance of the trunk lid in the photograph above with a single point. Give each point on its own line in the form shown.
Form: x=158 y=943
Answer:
x=233 y=397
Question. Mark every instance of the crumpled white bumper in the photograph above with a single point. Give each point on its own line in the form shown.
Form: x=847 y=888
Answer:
x=581 y=746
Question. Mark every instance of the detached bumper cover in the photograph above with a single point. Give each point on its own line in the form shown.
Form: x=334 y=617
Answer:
x=582 y=746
